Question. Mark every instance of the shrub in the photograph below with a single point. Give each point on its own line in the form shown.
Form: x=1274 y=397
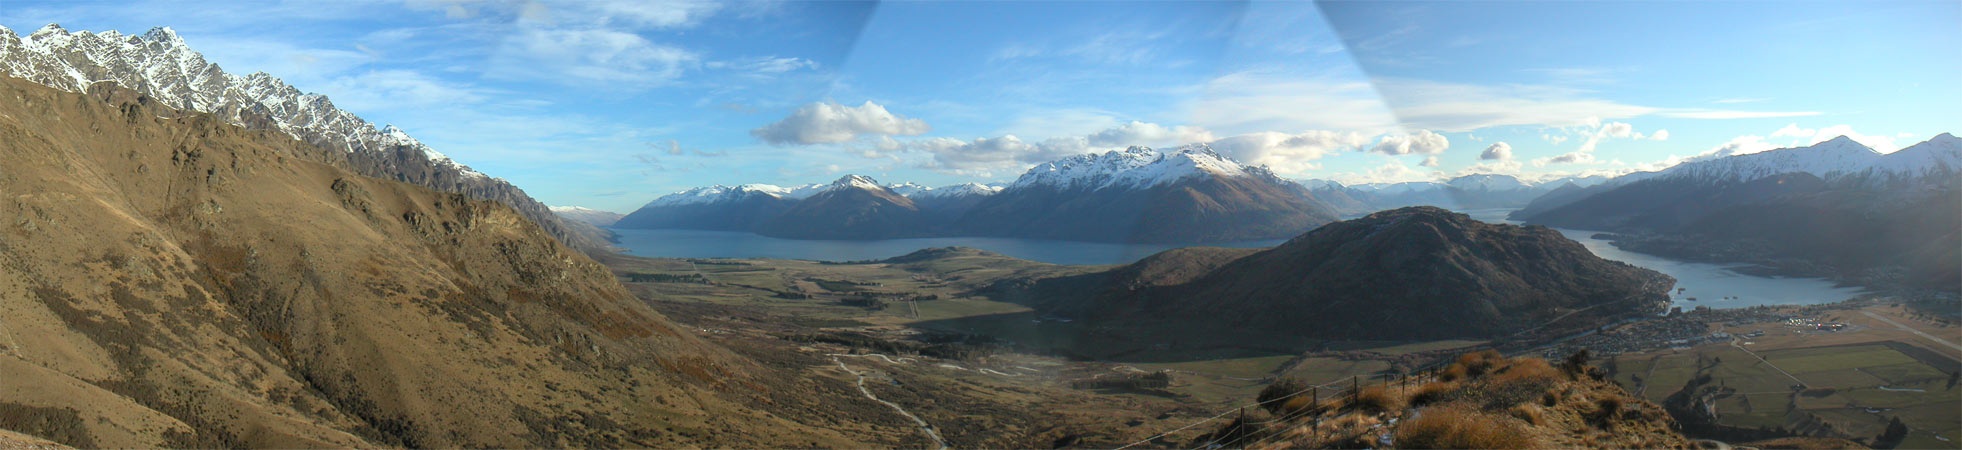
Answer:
x=1375 y=399
x=1294 y=406
x=1451 y=427
x=1432 y=393
x=1606 y=409
x=1473 y=364
x=1271 y=397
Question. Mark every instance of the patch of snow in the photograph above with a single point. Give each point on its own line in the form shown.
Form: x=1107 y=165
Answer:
x=1135 y=167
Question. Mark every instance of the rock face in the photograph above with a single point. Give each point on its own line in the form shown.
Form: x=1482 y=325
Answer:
x=1411 y=273
x=1142 y=195
x=1835 y=209
x=168 y=279
x=161 y=66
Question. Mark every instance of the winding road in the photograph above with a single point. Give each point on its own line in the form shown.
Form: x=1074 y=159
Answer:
x=924 y=426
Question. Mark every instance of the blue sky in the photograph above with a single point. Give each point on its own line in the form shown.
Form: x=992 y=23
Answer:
x=610 y=104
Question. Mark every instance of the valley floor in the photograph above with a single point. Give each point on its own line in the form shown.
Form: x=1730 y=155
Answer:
x=985 y=373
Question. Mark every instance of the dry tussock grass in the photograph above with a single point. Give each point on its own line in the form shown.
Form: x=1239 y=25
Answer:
x=1376 y=399
x=1458 y=427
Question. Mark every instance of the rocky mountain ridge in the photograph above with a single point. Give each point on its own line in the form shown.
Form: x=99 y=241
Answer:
x=160 y=65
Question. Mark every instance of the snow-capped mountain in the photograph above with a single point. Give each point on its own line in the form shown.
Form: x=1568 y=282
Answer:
x=1487 y=183
x=856 y=182
x=591 y=216
x=958 y=190
x=1476 y=191
x=158 y=64
x=1186 y=195
x=1834 y=159
x=1191 y=194
x=1792 y=209
x=719 y=193
x=1135 y=167
x=853 y=207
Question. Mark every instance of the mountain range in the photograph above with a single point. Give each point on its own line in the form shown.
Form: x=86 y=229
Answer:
x=1834 y=209
x=1476 y=191
x=1189 y=194
x=589 y=216
x=164 y=69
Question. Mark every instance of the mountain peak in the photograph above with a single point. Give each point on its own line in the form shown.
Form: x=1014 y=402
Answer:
x=163 y=34
x=857 y=181
x=1843 y=143
x=1198 y=149
x=52 y=28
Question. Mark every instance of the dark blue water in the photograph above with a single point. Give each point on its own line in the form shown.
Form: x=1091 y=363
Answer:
x=1712 y=285
x=727 y=244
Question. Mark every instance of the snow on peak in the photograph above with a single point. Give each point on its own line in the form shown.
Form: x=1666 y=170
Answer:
x=856 y=181
x=160 y=65
x=1836 y=158
x=958 y=190
x=572 y=209
x=1134 y=167
x=52 y=28
x=719 y=193
x=1487 y=182
x=162 y=34
x=907 y=189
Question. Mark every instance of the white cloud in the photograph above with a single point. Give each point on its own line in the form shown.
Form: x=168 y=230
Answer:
x=1289 y=153
x=1555 y=139
x=385 y=89
x=1509 y=167
x=1392 y=172
x=1142 y=133
x=1466 y=107
x=1880 y=143
x=1617 y=130
x=580 y=56
x=764 y=65
x=1430 y=161
x=831 y=123
x=1254 y=101
x=1660 y=135
x=979 y=154
x=1498 y=151
x=1741 y=145
x=1574 y=157
x=1424 y=142
x=643 y=14
x=1807 y=136
x=1793 y=130
x=1713 y=114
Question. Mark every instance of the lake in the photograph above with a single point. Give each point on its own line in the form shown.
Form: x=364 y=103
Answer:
x=1708 y=283
x=731 y=244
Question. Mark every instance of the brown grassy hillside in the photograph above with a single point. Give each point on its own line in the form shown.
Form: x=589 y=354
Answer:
x=167 y=279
